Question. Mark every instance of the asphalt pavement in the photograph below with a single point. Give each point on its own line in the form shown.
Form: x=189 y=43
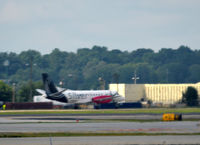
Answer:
x=92 y=123
x=104 y=140
x=84 y=123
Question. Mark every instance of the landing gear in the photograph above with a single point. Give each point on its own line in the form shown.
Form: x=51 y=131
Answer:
x=96 y=106
x=116 y=105
x=76 y=106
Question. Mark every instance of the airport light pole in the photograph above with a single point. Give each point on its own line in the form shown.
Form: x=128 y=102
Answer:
x=6 y=63
x=31 y=78
x=167 y=75
x=62 y=82
x=135 y=78
x=102 y=83
x=116 y=79
x=14 y=92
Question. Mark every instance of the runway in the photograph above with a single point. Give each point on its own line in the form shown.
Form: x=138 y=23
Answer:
x=87 y=123
x=94 y=123
x=105 y=127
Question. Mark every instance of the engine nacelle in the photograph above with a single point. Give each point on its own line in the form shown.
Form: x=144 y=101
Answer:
x=102 y=99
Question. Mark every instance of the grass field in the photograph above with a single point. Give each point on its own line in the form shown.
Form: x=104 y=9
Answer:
x=69 y=134
x=110 y=111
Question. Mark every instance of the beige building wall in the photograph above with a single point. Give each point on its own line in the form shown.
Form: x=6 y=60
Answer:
x=158 y=93
x=120 y=88
x=133 y=95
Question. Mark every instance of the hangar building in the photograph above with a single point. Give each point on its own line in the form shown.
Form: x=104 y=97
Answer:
x=157 y=93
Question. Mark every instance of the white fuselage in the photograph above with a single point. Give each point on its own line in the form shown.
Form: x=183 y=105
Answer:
x=83 y=96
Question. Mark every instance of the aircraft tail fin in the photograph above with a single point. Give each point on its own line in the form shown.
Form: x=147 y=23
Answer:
x=48 y=84
x=51 y=90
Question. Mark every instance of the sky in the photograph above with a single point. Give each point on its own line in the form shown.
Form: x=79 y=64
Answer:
x=127 y=25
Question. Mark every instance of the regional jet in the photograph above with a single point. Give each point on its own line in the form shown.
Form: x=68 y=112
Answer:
x=58 y=94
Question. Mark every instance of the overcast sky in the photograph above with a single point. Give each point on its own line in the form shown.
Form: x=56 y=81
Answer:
x=117 y=24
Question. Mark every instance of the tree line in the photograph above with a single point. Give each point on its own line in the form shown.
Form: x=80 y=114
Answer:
x=84 y=68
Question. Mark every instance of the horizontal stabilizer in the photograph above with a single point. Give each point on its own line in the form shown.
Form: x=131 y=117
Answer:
x=42 y=92
x=60 y=89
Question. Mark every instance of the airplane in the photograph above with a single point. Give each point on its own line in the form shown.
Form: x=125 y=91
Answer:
x=77 y=97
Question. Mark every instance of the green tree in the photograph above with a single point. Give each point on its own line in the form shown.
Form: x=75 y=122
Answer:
x=5 y=92
x=177 y=72
x=164 y=56
x=194 y=71
x=24 y=91
x=146 y=73
x=190 y=97
x=168 y=65
x=126 y=72
x=140 y=55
